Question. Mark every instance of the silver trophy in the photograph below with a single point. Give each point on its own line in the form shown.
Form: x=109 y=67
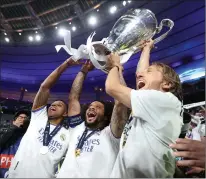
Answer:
x=125 y=38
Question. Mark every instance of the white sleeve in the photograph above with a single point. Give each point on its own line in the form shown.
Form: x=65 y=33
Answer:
x=154 y=106
x=115 y=141
x=39 y=115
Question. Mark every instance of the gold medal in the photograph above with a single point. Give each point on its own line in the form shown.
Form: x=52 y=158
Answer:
x=77 y=152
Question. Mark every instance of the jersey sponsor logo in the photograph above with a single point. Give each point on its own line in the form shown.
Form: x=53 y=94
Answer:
x=54 y=145
x=89 y=144
x=5 y=160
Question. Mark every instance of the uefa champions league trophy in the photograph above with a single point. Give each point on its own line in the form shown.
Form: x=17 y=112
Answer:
x=125 y=38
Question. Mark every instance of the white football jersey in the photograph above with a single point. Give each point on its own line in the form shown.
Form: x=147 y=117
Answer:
x=28 y=161
x=155 y=123
x=97 y=157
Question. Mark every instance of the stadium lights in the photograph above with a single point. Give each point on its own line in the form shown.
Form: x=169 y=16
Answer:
x=38 y=37
x=74 y=28
x=31 y=38
x=113 y=9
x=92 y=20
x=7 y=39
x=62 y=32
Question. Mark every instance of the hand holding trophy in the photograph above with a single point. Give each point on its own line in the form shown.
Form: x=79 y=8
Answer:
x=147 y=44
x=88 y=66
x=113 y=60
x=125 y=38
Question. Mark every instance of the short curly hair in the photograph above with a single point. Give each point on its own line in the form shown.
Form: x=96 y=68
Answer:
x=172 y=77
x=108 y=108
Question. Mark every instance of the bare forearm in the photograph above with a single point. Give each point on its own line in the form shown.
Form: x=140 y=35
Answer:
x=118 y=120
x=54 y=76
x=77 y=86
x=113 y=80
x=122 y=81
x=42 y=96
x=119 y=114
x=75 y=92
x=116 y=90
x=143 y=63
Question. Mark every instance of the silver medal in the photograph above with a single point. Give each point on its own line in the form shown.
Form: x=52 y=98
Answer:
x=44 y=150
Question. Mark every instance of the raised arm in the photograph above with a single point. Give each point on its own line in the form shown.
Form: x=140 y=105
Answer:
x=74 y=107
x=113 y=85
x=119 y=114
x=42 y=96
x=143 y=63
x=116 y=90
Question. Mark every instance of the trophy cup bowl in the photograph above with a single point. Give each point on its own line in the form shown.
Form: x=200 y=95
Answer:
x=131 y=29
x=127 y=35
x=125 y=38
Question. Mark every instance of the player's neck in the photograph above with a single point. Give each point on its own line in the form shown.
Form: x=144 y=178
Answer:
x=94 y=127
x=55 y=121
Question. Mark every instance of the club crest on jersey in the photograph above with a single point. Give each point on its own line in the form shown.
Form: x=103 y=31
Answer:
x=63 y=137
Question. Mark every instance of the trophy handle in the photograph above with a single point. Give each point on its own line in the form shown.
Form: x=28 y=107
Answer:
x=165 y=22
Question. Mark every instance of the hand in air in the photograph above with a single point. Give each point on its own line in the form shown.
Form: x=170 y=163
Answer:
x=88 y=66
x=113 y=60
x=71 y=62
x=147 y=44
x=192 y=151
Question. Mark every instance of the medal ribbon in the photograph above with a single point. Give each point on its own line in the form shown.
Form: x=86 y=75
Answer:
x=84 y=137
x=48 y=137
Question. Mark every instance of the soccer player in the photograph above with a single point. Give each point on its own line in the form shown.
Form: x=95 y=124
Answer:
x=94 y=145
x=47 y=138
x=155 y=121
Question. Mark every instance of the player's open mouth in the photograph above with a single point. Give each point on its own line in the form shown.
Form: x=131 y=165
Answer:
x=140 y=84
x=91 y=115
x=52 y=109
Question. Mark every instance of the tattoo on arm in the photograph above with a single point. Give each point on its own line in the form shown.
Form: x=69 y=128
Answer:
x=74 y=95
x=119 y=114
x=118 y=121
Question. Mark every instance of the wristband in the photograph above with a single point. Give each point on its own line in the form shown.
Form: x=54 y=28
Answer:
x=118 y=68
x=85 y=73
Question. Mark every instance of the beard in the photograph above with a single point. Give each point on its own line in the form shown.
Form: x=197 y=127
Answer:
x=99 y=123
x=93 y=124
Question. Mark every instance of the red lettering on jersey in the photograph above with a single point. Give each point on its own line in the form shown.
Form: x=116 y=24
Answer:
x=5 y=160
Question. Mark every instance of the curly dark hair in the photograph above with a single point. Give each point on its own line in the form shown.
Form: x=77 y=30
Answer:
x=108 y=108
